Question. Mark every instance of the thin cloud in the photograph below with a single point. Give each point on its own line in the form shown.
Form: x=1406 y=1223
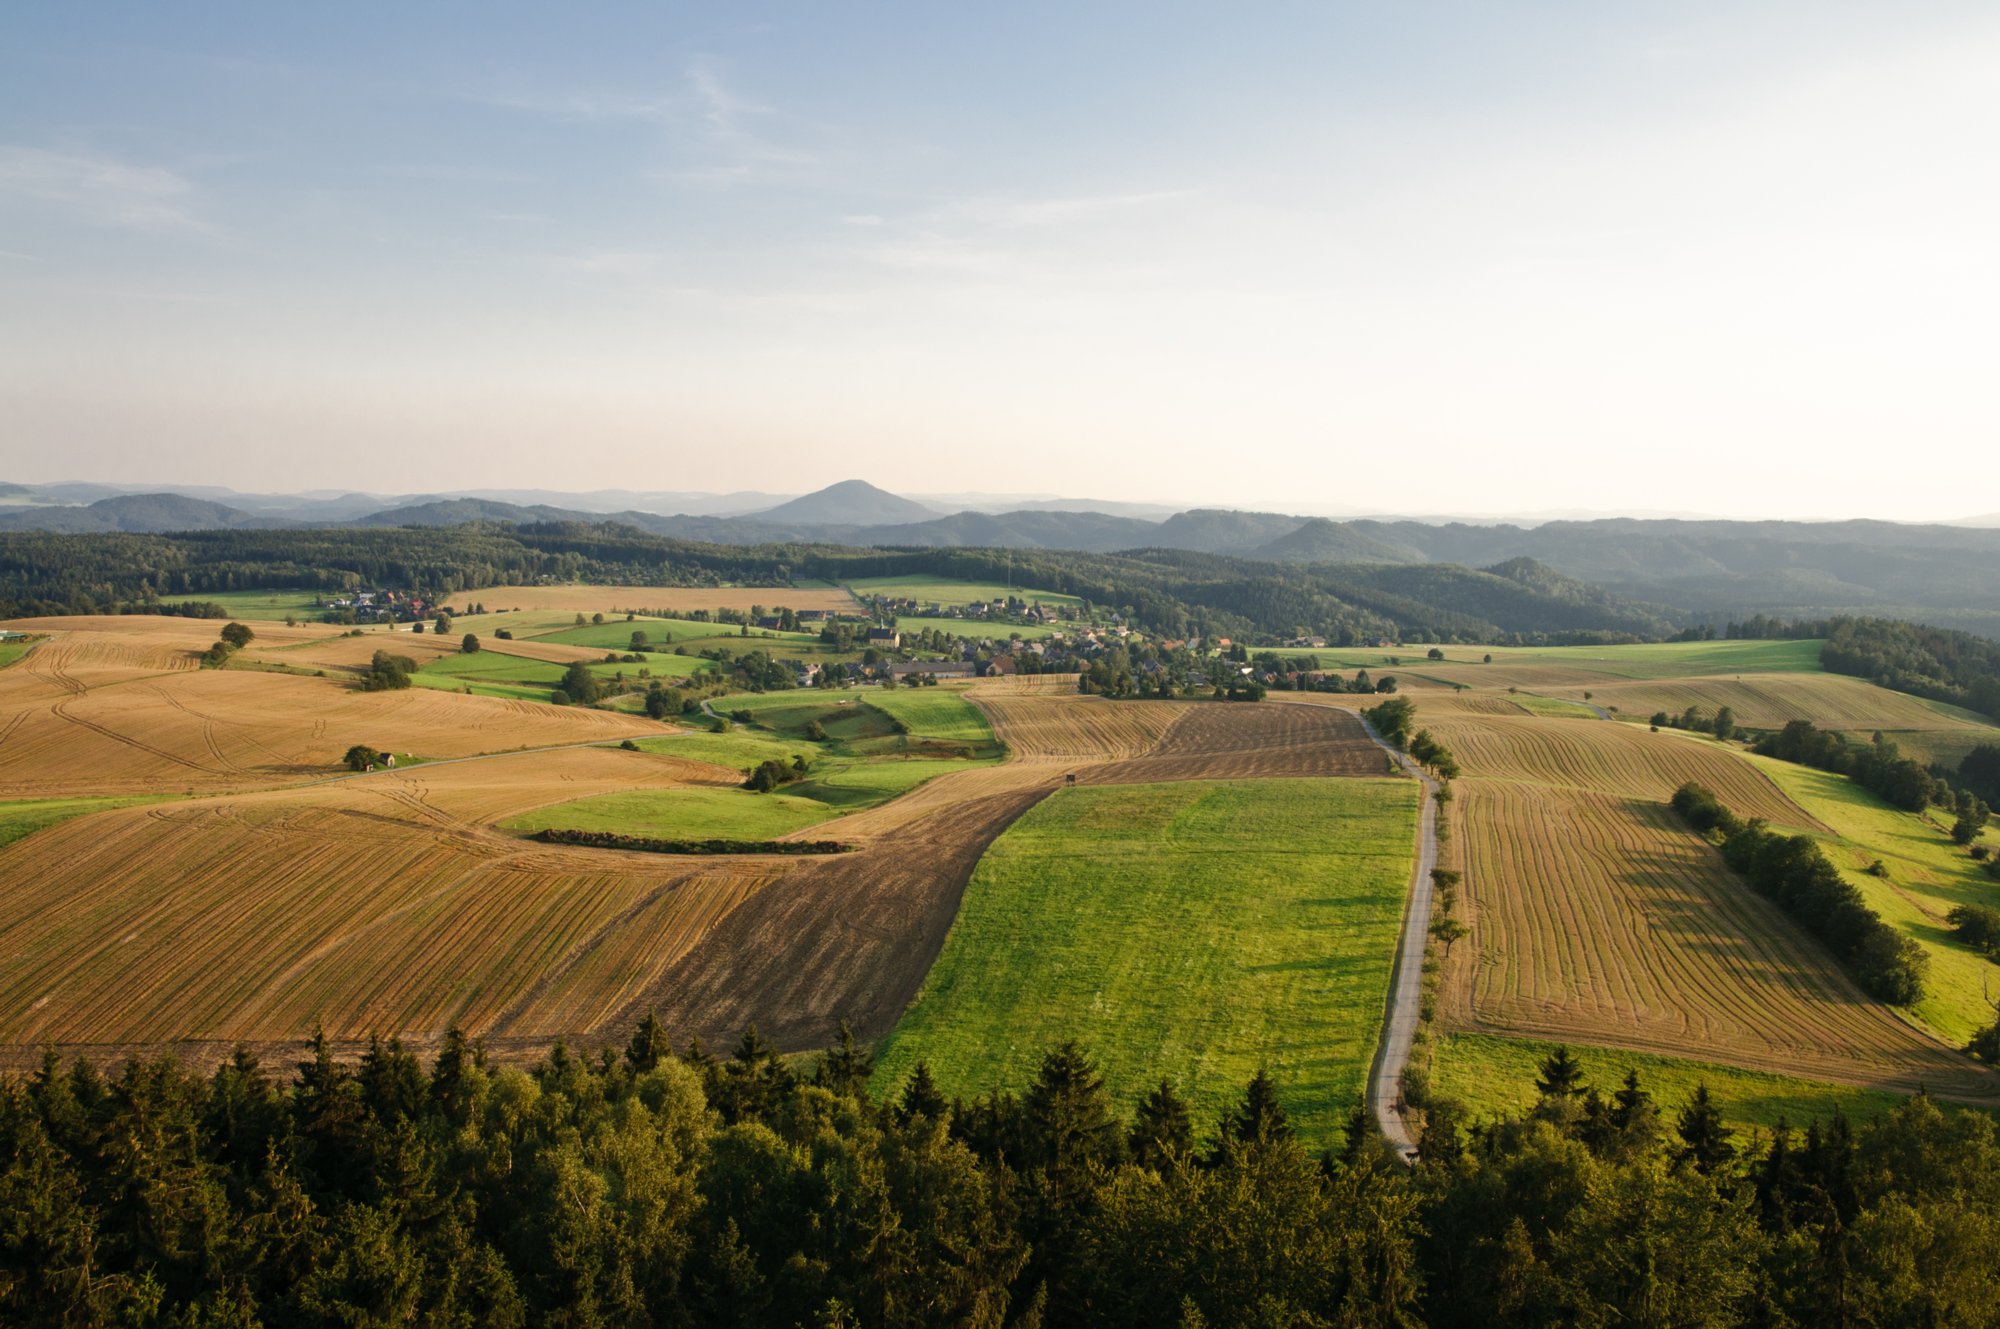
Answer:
x=717 y=134
x=100 y=191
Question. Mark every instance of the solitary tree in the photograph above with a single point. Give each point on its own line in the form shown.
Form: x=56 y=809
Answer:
x=359 y=757
x=1449 y=931
x=237 y=635
x=470 y=646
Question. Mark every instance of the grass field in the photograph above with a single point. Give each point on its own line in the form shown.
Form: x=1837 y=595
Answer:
x=253 y=605
x=10 y=651
x=1193 y=930
x=834 y=790
x=946 y=591
x=1553 y=708
x=937 y=713
x=23 y=818
x=678 y=632
x=1926 y=877
x=979 y=629
x=617 y=601
x=1496 y=1076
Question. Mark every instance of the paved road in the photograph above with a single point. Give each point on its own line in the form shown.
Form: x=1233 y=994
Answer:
x=1406 y=995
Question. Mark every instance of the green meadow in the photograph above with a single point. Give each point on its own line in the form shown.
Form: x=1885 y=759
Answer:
x=1195 y=930
x=979 y=629
x=833 y=789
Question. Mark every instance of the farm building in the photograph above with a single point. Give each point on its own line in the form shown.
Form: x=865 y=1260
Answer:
x=935 y=668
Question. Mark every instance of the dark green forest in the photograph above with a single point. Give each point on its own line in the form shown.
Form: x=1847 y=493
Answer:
x=643 y=1188
x=1172 y=592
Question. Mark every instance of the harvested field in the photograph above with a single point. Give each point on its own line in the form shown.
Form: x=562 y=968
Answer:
x=1769 y=701
x=1042 y=726
x=376 y=904
x=1219 y=741
x=1599 y=919
x=1622 y=760
x=684 y=599
x=203 y=730
x=391 y=903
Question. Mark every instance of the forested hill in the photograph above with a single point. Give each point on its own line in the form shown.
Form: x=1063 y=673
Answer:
x=1713 y=570
x=1171 y=592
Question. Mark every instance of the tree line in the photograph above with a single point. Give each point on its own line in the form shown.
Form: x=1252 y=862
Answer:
x=1793 y=872
x=641 y=1186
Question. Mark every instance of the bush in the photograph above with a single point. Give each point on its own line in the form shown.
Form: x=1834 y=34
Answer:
x=387 y=673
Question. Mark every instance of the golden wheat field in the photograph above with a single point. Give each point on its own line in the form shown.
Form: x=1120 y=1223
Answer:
x=376 y=903
x=1601 y=919
x=102 y=707
x=1769 y=701
x=1606 y=757
x=1597 y=918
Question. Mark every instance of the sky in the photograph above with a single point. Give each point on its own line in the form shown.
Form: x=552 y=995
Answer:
x=1453 y=257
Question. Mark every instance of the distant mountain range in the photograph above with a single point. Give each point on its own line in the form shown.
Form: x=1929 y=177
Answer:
x=1944 y=574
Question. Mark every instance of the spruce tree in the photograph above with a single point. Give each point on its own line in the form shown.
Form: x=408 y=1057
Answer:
x=921 y=1097
x=1161 y=1127
x=846 y=1067
x=1562 y=1075
x=1260 y=1118
x=1705 y=1141
x=649 y=1046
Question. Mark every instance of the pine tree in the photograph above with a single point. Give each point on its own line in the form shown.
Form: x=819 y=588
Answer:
x=846 y=1068
x=1260 y=1119
x=1067 y=1117
x=1705 y=1141
x=649 y=1046
x=921 y=1097
x=1562 y=1075
x=1161 y=1128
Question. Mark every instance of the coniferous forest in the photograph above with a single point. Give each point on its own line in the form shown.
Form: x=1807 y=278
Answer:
x=641 y=1187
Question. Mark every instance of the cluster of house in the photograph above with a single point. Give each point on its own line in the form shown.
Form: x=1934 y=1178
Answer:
x=816 y=617
x=1013 y=609
x=392 y=605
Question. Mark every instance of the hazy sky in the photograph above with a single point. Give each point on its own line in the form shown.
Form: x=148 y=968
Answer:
x=1733 y=258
